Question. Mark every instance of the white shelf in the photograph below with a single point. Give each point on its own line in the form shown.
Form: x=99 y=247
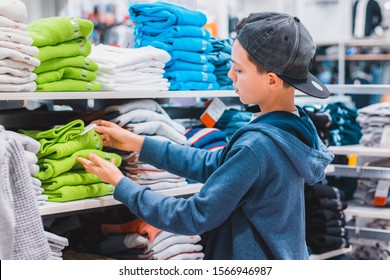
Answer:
x=131 y=94
x=361 y=172
x=63 y=207
x=330 y=254
x=366 y=211
x=358 y=89
x=360 y=150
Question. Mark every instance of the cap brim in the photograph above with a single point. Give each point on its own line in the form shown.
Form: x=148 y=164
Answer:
x=311 y=86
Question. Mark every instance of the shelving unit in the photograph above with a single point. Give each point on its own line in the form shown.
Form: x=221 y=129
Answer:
x=64 y=207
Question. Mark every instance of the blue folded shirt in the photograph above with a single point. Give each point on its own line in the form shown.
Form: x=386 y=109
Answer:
x=162 y=15
x=177 y=31
x=182 y=65
x=191 y=44
x=192 y=57
x=193 y=86
x=190 y=76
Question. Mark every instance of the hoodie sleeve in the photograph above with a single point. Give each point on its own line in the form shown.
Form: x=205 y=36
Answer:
x=219 y=196
x=184 y=161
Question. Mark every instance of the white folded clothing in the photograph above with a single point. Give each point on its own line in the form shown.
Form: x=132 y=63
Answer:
x=177 y=249
x=14 y=30
x=28 y=143
x=14 y=72
x=377 y=109
x=18 y=56
x=16 y=38
x=155 y=64
x=164 y=185
x=188 y=256
x=7 y=22
x=152 y=175
x=10 y=79
x=121 y=57
x=141 y=115
x=18 y=87
x=146 y=104
x=172 y=240
x=157 y=128
x=36 y=182
x=16 y=64
x=139 y=166
x=134 y=240
x=30 y=50
x=138 y=78
x=13 y=9
x=131 y=75
x=56 y=239
x=114 y=87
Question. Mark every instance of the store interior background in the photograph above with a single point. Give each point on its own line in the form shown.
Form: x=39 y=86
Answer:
x=341 y=58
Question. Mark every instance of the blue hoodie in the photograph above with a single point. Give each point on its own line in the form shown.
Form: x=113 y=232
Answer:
x=252 y=200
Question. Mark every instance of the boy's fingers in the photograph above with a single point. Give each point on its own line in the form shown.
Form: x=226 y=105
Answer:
x=83 y=161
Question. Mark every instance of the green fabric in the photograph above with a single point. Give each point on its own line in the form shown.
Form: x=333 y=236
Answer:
x=72 y=178
x=61 y=134
x=69 y=85
x=54 y=30
x=53 y=167
x=60 y=62
x=75 y=47
x=70 y=193
x=66 y=73
x=90 y=140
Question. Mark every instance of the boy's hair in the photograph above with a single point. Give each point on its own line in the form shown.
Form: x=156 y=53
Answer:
x=260 y=67
x=281 y=44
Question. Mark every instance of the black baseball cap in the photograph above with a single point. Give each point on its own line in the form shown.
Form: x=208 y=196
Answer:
x=283 y=45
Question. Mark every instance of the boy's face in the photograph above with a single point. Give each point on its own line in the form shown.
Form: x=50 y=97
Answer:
x=249 y=84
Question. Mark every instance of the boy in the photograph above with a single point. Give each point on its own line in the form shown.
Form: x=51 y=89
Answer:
x=252 y=201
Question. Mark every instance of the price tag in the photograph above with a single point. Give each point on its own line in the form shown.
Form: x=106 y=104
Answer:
x=381 y=192
x=213 y=113
x=88 y=128
x=385 y=138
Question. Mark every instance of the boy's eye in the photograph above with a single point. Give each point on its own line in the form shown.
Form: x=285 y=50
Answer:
x=237 y=70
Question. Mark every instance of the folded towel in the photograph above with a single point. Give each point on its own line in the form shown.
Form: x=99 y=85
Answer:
x=14 y=72
x=69 y=85
x=57 y=63
x=53 y=167
x=75 y=47
x=70 y=193
x=162 y=15
x=15 y=38
x=71 y=178
x=135 y=67
x=11 y=79
x=54 y=30
x=74 y=73
x=18 y=87
x=10 y=63
x=6 y=53
x=13 y=9
x=7 y=22
x=187 y=56
x=29 y=50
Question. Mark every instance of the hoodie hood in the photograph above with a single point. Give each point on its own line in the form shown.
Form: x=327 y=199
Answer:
x=297 y=138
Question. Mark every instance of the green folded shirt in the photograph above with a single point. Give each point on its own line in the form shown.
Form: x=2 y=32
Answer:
x=53 y=167
x=69 y=85
x=70 y=193
x=89 y=140
x=71 y=178
x=74 y=73
x=54 y=30
x=75 y=47
x=60 y=62
x=60 y=134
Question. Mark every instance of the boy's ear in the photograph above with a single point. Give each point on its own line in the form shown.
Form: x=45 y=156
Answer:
x=274 y=82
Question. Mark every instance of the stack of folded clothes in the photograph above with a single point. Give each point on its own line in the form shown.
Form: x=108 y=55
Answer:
x=17 y=55
x=220 y=58
x=57 y=244
x=206 y=138
x=139 y=240
x=325 y=219
x=130 y=69
x=180 y=32
x=63 y=53
x=63 y=178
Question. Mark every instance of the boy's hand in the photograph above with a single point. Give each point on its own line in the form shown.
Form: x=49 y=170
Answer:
x=117 y=137
x=105 y=170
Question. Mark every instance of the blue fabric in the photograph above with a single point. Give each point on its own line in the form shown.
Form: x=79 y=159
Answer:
x=193 y=86
x=214 y=144
x=221 y=45
x=144 y=31
x=187 y=56
x=177 y=44
x=206 y=139
x=182 y=65
x=190 y=76
x=218 y=58
x=162 y=15
x=252 y=201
